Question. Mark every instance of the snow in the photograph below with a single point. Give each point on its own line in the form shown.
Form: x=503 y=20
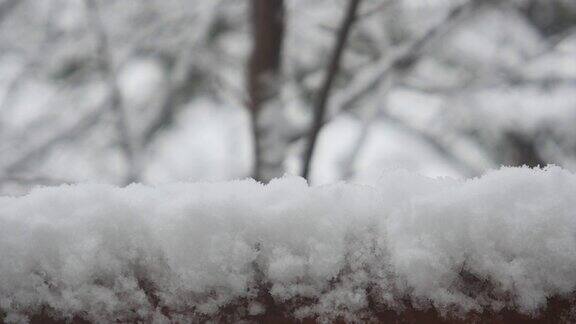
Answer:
x=137 y=253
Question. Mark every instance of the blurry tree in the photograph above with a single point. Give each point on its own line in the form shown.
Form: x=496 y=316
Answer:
x=264 y=88
x=442 y=87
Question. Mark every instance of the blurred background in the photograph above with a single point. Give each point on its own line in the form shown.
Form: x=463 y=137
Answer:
x=153 y=91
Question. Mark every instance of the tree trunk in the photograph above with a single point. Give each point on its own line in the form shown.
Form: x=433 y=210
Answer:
x=264 y=89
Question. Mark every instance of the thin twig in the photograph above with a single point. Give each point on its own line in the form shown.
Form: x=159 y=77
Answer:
x=33 y=63
x=437 y=145
x=179 y=76
x=404 y=57
x=115 y=98
x=393 y=67
x=324 y=94
x=366 y=122
x=84 y=124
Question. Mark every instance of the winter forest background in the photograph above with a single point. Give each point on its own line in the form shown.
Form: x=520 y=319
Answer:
x=126 y=124
x=160 y=91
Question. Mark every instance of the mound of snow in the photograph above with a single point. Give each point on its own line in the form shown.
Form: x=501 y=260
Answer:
x=184 y=252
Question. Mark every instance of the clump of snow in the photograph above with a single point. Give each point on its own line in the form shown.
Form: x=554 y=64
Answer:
x=187 y=251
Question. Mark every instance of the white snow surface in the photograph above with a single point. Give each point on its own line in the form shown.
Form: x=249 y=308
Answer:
x=112 y=253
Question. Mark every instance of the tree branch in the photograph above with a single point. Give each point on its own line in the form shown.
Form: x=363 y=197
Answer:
x=324 y=94
x=402 y=59
x=179 y=76
x=84 y=124
x=115 y=99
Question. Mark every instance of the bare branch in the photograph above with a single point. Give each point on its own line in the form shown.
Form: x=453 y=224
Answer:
x=116 y=104
x=404 y=57
x=375 y=9
x=401 y=60
x=179 y=76
x=33 y=63
x=81 y=126
x=324 y=94
x=435 y=142
x=437 y=145
x=367 y=120
x=392 y=67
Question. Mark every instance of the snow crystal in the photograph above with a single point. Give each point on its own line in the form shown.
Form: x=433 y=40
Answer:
x=188 y=251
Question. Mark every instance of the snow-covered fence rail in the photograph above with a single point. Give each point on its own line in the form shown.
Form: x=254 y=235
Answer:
x=501 y=244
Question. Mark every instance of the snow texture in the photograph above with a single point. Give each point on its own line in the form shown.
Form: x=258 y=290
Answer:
x=507 y=239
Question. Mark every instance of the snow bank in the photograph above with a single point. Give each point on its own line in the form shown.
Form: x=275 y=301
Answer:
x=190 y=251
